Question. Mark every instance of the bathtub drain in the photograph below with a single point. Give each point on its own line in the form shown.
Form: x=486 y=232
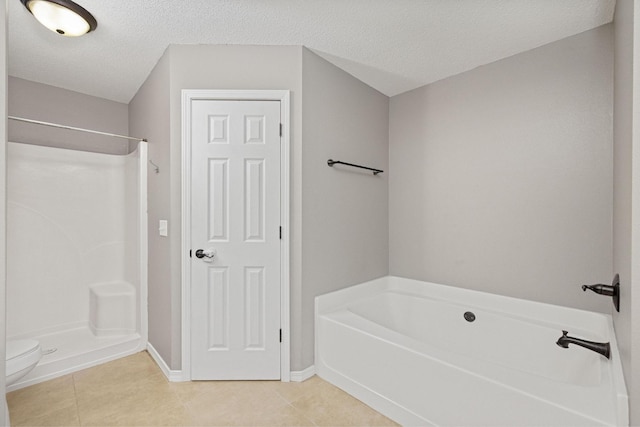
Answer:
x=469 y=316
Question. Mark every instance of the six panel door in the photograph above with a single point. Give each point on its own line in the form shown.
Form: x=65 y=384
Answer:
x=235 y=216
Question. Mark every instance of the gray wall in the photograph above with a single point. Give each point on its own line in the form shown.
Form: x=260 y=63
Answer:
x=345 y=221
x=625 y=196
x=156 y=111
x=352 y=240
x=42 y=102
x=500 y=177
x=3 y=201
x=232 y=67
x=149 y=118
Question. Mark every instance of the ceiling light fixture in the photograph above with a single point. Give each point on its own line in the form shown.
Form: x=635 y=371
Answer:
x=62 y=16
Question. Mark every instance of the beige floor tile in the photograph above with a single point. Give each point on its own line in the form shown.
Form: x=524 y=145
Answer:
x=285 y=415
x=41 y=399
x=66 y=417
x=188 y=391
x=244 y=403
x=132 y=391
x=295 y=390
x=327 y=405
x=138 y=366
x=133 y=401
x=111 y=394
x=161 y=411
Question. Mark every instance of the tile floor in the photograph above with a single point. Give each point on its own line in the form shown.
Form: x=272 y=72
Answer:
x=132 y=391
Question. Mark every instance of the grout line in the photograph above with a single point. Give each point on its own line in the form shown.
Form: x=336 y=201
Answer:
x=281 y=397
x=303 y=414
x=75 y=395
x=296 y=410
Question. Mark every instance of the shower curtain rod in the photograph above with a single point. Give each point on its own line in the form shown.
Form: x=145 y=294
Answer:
x=56 y=125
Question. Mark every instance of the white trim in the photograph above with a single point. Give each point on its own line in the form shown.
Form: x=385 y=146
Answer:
x=305 y=374
x=172 y=375
x=285 y=187
x=74 y=363
x=283 y=96
x=186 y=236
x=143 y=249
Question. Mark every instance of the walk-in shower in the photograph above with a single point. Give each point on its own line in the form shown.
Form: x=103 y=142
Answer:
x=76 y=255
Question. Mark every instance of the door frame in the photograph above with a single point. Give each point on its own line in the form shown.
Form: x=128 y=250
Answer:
x=189 y=95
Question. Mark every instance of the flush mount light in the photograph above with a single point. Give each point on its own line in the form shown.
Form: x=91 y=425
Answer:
x=62 y=16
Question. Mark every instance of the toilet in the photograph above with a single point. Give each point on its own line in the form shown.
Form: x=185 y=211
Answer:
x=22 y=357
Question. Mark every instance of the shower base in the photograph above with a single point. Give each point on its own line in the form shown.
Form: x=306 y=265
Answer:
x=76 y=349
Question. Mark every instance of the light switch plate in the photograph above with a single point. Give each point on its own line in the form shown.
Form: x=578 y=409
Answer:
x=163 y=227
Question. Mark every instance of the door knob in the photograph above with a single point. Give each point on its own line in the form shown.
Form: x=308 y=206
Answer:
x=206 y=253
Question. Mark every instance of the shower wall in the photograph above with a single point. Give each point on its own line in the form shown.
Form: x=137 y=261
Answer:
x=67 y=229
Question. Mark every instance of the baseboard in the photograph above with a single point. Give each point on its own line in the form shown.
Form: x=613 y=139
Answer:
x=305 y=374
x=173 y=376
x=176 y=376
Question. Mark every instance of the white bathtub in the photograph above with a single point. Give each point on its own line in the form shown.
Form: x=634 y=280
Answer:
x=405 y=348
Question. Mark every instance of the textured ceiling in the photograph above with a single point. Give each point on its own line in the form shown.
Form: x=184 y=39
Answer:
x=392 y=45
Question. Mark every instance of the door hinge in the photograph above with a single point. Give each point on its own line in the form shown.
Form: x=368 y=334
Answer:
x=280 y=335
x=280 y=232
x=280 y=129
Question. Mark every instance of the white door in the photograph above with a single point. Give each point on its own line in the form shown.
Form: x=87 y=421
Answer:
x=235 y=213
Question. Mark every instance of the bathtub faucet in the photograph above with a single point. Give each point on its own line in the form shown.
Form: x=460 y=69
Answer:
x=612 y=290
x=603 y=348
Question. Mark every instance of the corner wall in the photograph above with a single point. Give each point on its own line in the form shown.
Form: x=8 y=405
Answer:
x=149 y=118
x=345 y=224
x=345 y=228
x=626 y=195
x=500 y=177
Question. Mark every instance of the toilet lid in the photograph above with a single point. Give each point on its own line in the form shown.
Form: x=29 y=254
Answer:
x=17 y=348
